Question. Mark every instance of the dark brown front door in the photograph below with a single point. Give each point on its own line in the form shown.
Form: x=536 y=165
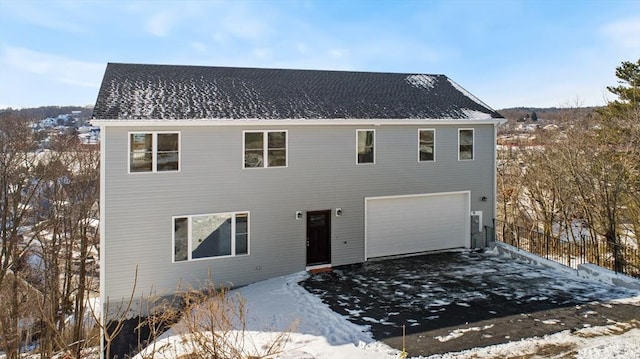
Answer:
x=318 y=237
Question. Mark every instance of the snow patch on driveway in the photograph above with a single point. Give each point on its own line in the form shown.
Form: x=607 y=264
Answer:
x=457 y=333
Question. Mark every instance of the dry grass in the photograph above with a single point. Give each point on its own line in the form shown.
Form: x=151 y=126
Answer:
x=212 y=325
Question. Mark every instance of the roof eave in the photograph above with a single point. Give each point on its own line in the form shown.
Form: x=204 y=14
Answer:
x=294 y=122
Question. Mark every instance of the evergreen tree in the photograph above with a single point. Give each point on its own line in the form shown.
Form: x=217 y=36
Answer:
x=628 y=90
x=619 y=139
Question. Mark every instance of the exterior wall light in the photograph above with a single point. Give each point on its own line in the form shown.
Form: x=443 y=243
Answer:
x=338 y=212
x=298 y=215
x=483 y=198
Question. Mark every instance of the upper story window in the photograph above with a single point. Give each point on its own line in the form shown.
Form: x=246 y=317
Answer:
x=465 y=144
x=265 y=149
x=426 y=145
x=366 y=146
x=210 y=235
x=154 y=151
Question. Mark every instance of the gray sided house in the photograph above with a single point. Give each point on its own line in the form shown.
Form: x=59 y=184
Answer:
x=242 y=174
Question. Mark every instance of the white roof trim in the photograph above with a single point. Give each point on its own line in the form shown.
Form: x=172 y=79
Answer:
x=296 y=122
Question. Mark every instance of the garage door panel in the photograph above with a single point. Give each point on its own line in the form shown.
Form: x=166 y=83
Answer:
x=409 y=224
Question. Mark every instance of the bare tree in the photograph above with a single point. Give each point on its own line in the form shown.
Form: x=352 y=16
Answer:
x=49 y=198
x=588 y=172
x=510 y=173
x=71 y=197
x=20 y=185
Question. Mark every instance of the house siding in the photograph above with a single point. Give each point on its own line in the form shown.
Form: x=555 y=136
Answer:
x=321 y=174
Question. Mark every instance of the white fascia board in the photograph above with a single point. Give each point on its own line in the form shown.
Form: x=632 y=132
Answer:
x=296 y=122
x=102 y=282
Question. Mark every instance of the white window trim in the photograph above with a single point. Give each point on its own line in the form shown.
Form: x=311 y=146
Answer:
x=375 y=145
x=190 y=244
x=473 y=144
x=434 y=145
x=265 y=148
x=154 y=149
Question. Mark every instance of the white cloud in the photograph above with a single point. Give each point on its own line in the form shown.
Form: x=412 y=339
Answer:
x=625 y=32
x=405 y=54
x=235 y=22
x=301 y=47
x=53 y=67
x=198 y=46
x=164 y=18
x=337 y=53
x=41 y=14
x=246 y=24
x=262 y=53
x=221 y=22
x=160 y=23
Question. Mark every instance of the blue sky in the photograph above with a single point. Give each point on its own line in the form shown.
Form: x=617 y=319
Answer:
x=540 y=53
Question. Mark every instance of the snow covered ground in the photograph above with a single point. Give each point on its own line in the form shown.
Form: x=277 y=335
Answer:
x=611 y=342
x=314 y=331
x=279 y=304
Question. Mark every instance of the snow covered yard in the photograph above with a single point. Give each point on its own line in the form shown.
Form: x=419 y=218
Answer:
x=281 y=304
x=584 y=319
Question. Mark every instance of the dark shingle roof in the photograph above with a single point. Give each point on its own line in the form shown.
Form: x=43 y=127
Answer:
x=131 y=91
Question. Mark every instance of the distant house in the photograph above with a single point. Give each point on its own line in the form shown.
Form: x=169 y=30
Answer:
x=49 y=122
x=532 y=127
x=243 y=174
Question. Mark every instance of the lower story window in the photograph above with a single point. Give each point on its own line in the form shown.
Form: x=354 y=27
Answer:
x=210 y=235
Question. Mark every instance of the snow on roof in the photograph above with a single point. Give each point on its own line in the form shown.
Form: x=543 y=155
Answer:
x=168 y=92
x=474 y=114
x=421 y=81
x=467 y=93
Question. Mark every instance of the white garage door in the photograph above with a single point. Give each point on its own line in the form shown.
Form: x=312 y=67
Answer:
x=416 y=223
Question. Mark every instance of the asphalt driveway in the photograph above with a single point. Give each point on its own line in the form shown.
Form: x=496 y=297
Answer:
x=456 y=301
